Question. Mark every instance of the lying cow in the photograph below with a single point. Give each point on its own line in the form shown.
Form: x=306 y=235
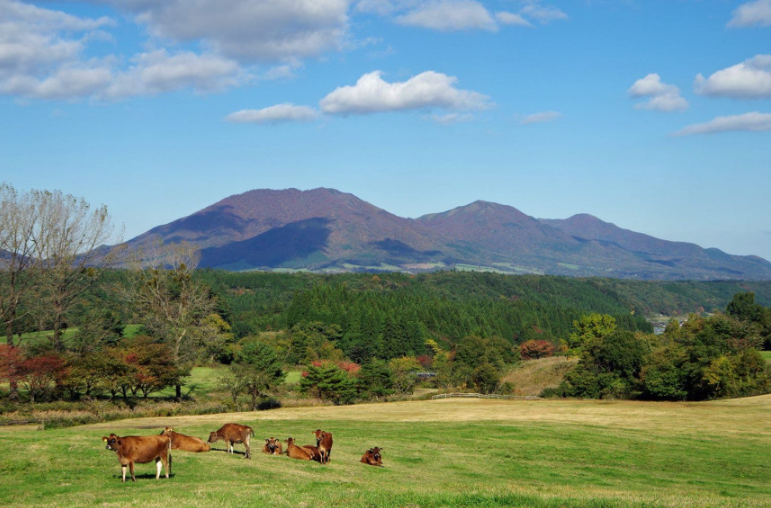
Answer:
x=141 y=449
x=233 y=433
x=185 y=443
x=314 y=451
x=324 y=443
x=273 y=446
x=372 y=457
x=297 y=452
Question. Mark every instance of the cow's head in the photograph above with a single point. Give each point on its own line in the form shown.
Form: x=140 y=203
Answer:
x=213 y=437
x=112 y=442
x=318 y=433
x=272 y=443
x=167 y=431
x=289 y=440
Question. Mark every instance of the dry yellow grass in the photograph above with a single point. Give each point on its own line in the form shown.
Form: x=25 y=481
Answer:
x=532 y=377
x=751 y=416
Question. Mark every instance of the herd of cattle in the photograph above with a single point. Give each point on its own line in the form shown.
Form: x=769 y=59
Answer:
x=144 y=449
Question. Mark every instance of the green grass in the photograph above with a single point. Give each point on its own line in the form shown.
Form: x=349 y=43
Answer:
x=33 y=338
x=201 y=382
x=205 y=380
x=549 y=454
x=293 y=376
x=766 y=355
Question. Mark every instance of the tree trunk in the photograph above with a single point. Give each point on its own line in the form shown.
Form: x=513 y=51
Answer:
x=179 y=392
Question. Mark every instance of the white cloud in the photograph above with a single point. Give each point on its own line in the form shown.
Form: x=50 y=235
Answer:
x=157 y=72
x=35 y=40
x=64 y=84
x=452 y=118
x=41 y=53
x=455 y=15
x=543 y=117
x=381 y=7
x=662 y=97
x=544 y=14
x=750 y=79
x=428 y=90
x=248 y=31
x=281 y=113
x=748 y=122
x=449 y=15
x=756 y=13
x=508 y=18
x=42 y=57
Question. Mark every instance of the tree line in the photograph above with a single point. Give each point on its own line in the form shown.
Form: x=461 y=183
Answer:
x=126 y=324
x=703 y=357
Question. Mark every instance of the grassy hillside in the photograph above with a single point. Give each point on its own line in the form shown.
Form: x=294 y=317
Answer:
x=532 y=377
x=437 y=453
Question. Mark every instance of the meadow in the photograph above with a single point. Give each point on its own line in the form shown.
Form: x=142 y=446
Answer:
x=453 y=452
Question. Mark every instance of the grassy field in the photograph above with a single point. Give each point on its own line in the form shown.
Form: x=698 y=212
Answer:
x=766 y=355
x=448 y=453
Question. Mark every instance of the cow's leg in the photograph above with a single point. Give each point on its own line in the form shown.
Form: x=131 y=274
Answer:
x=248 y=449
x=131 y=468
x=230 y=446
x=168 y=465
x=123 y=472
x=158 y=465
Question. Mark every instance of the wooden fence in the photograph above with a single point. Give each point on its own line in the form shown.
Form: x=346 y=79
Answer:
x=481 y=396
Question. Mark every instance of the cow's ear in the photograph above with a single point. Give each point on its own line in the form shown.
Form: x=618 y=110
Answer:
x=104 y=439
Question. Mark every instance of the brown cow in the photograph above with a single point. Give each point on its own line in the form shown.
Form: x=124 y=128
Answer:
x=233 y=433
x=140 y=449
x=372 y=457
x=185 y=443
x=324 y=442
x=314 y=451
x=296 y=452
x=273 y=446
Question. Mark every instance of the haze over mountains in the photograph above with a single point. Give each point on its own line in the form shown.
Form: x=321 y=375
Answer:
x=328 y=230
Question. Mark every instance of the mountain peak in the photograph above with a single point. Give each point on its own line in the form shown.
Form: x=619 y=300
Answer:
x=324 y=229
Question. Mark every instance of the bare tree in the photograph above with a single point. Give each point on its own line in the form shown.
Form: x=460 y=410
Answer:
x=68 y=235
x=18 y=264
x=18 y=260
x=170 y=302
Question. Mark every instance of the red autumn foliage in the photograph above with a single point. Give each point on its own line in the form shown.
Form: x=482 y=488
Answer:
x=535 y=349
x=40 y=374
x=349 y=367
x=425 y=361
x=10 y=360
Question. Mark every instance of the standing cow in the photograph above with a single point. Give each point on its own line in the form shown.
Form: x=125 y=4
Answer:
x=324 y=444
x=233 y=433
x=140 y=449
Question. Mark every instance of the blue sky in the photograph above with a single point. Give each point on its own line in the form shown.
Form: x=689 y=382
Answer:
x=651 y=114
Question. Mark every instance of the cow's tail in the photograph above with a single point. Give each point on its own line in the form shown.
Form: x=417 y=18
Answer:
x=251 y=431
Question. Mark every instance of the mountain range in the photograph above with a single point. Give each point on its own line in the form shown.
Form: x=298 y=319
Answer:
x=326 y=230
